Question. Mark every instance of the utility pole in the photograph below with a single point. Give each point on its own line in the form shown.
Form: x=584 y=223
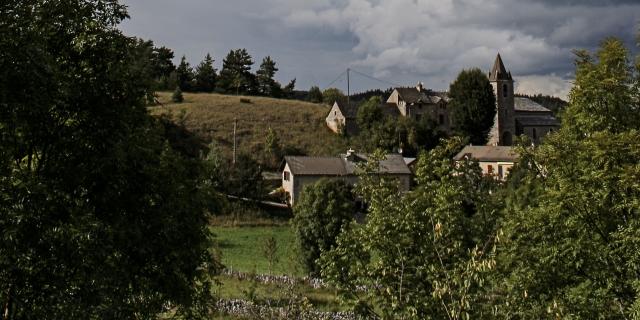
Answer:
x=235 y=124
x=348 y=90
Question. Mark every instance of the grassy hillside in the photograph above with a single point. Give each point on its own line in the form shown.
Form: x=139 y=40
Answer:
x=299 y=125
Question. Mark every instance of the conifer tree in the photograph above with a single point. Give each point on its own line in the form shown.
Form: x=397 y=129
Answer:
x=205 y=75
x=184 y=75
x=235 y=76
x=264 y=77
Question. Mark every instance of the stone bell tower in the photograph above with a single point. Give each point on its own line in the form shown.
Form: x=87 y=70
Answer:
x=505 y=123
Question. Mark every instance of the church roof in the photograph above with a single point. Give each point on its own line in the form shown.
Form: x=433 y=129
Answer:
x=499 y=72
x=526 y=104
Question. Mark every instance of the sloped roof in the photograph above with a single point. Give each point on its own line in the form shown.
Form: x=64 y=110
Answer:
x=528 y=105
x=300 y=165
x=412 y=95
x=341 y=165
x=499 y=72
x=488 y=153
x=347 y=111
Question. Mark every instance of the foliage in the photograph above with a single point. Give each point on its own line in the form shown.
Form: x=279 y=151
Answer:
x=369 y=113
x=331 y=95
x=571 y=230
x=322 y=211
x=184 y=75
x=162 y=66
x=288 y=90
x=235 y=76
x=100 y=217
x=272 y=149
x=267 y=86
x=177 y=96
x=472 y=105
x=205 y=75
x=270 y=250
x=315 y=95
x=244 y=178
x=422 y=254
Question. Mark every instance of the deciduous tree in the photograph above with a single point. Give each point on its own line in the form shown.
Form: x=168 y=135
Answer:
x=472 y=105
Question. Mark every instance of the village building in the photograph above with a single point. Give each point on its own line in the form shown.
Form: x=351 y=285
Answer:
x=515 y=116
x=495 y=161
x=299 y=171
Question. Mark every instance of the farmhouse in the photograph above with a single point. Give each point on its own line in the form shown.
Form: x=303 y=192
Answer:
x=342 y=118
x=494 y=161
x=299 y=171
x=514 y=115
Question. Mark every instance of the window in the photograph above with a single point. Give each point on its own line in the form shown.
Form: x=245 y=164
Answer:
x=505 y=90
x=490 y=169
x=286 y=175
x=500 y=173
x=441 y=119
x=335 y=113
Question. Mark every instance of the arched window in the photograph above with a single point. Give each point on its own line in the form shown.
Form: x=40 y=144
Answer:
x=505 y=90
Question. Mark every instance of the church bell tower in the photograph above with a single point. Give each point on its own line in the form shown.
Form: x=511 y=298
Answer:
x=502 y=83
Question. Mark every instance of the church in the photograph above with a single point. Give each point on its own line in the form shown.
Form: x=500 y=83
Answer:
x=514 y=115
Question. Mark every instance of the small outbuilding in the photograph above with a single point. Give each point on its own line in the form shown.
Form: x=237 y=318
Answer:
x=494 y=161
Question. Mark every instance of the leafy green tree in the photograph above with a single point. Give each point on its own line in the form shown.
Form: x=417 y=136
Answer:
x=100 y=218
x=184 y=75
x=472 y=105
x=205 y=75
x=235 y=76
x=272 y=149
x=332 y=95
x=369 y=113
x=245 y=178
x=323 y=210
x=422 y=254
x=570 y=246
x=315 y=95
x=267 y=86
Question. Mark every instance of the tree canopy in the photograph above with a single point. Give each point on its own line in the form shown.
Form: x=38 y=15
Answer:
x=100 y=217
x=472 y=105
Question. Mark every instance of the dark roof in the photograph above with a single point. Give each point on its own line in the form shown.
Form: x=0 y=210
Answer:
x=338 y=166
x=332 y=166
x=535 y=121
x=488 y=153
x=348 y=111
x=526 y=104
x=412 y=95
x=499 y=72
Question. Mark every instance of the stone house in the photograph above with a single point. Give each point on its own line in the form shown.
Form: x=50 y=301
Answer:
x=299 y=171
x=418 y=103
x=494 y=161
x=342 y=119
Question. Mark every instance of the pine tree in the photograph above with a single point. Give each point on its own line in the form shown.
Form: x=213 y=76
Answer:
x=287 y=91
x=236 y=76
x=205 y=76
x=264 y=77
x=177 y=95
x=184 y=75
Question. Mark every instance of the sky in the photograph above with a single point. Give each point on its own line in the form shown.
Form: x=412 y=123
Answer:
x=398 y=42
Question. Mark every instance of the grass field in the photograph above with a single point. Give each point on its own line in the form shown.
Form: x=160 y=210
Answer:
x=299 y=125
x=242 y=249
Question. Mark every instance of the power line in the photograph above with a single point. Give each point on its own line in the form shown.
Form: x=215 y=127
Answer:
x=376 y=79
x=334 y=81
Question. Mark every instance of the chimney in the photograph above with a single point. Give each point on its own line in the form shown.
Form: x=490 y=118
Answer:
x=350 y=154
x=419 y=87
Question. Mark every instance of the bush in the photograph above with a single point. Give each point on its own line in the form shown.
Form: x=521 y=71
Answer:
x=177 y=96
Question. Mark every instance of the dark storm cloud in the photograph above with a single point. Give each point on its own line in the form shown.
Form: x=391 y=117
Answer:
x=401 y=41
